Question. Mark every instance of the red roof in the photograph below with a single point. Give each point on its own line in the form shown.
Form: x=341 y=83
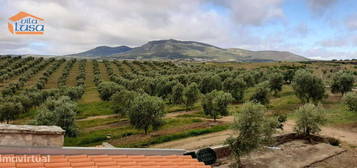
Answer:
x=107 y=161
x=21 y=15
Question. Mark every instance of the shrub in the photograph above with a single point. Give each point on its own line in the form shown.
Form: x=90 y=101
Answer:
x=350 y=99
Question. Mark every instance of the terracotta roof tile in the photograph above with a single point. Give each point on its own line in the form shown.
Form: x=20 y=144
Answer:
x=109 y=161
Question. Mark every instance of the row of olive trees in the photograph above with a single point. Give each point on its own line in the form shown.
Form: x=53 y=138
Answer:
x=61 y=82
x=6 y=61
x=40 y=84
x=81 y=77
x=307 y=87
x=97 y=79
x=17 y=67
x=15 y=86
x=12 y=106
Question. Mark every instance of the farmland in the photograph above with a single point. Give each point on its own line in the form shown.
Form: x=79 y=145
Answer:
x=91 y=84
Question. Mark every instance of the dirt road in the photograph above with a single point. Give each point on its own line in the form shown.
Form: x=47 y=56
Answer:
x=218 y=138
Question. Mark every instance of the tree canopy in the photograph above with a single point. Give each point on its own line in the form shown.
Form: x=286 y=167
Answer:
x=215 y=103
x=342 y=82
x=308 y=87
x=146 y=111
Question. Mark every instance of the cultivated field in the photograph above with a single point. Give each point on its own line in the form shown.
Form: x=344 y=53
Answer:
x=91 y=83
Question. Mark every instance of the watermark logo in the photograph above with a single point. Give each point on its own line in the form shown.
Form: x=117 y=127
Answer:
x=25 y=23
x=24 y=158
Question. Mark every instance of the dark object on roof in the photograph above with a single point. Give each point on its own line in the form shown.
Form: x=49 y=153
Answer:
x=207 y=156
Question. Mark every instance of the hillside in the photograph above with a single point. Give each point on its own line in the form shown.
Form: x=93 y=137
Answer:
x=102 y=51
x=175 y=49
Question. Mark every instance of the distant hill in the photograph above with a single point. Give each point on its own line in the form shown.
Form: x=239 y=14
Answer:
x=175 y=49
x=102 y=51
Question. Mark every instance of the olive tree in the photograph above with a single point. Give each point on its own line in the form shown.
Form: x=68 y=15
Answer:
x=308 y=87
x=309 y=119
x=215 y=103
x=177 y=94
x=146 y=111
x=288 y=75
x=236 y=87
x=350 y=99
x=9 y=110
x=191 y=95
x=210 y=83
x=107 y=89
x=60 y=112
x=261 y=94
x=122 y=101
x=276 y=82
x=342 y=83
x=253 y=130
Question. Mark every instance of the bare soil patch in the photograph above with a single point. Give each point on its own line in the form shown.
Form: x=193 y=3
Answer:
x=294 y=154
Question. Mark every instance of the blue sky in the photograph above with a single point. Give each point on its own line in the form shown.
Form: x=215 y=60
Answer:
x=322 y=29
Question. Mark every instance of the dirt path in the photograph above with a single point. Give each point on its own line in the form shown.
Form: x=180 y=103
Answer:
x=177 y=113
x=197 y=142
x=168 y=115
x=341 y=134
x=98 y=117
x=219 y=137
x=91 y=94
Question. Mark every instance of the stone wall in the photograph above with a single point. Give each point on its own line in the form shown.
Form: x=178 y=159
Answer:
x=31 y=136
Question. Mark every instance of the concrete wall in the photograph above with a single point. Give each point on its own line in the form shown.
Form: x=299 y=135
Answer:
x=31 y=136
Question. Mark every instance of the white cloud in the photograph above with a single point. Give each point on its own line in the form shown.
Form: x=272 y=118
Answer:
x=73 y=26
x=254 y=12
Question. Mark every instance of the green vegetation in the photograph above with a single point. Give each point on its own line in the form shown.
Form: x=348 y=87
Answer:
x=308 y=87
x=175 y=136
x=309 y=119
x=236 y=87
x=145 y=112
x=60 y=112
x=261 y=94
x=94 y=109
x=215 y=103
x=110 y=88
x=276 y=82
x=342 y=83
x=254 y=129
x=191 y=95
x=350 y=99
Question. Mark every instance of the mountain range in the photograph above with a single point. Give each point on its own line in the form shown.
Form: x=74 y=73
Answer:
x=175 y=49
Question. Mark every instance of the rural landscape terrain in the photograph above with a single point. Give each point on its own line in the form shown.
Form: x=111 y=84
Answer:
x=178 y=84
x=180 y=104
